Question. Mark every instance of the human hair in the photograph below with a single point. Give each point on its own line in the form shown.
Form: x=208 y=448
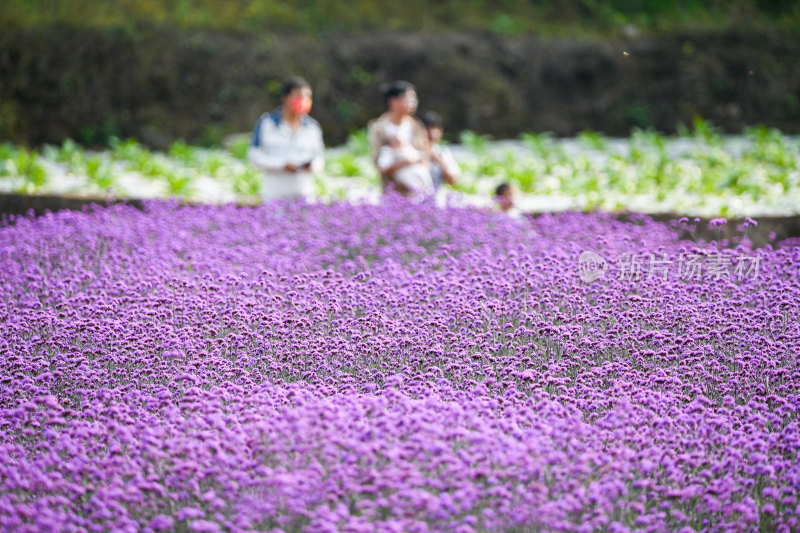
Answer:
x=502 y=189
x=290 y=84
x=432 y=119
x=396 y=88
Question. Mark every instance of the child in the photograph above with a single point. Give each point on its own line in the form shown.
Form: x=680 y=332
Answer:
x=504 y=198
x=444 y=168
x=415 y=175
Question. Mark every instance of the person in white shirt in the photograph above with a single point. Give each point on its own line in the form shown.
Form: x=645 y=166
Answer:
x=287 y=144
x=397 y=121
x=414 y=175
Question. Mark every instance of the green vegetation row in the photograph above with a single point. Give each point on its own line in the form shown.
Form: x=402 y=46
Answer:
x=709 y=174
x=504 y=17
x=99 y=172
x=699 y=171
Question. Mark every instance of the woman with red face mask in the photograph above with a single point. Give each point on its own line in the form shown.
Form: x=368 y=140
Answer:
x=287 y=144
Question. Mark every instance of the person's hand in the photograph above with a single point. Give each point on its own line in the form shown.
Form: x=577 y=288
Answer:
x=289 y=167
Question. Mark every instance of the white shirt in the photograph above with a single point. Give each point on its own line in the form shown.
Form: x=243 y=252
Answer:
x=403 y=132
x=416 y=177
x=274 y=145
x=389 y=155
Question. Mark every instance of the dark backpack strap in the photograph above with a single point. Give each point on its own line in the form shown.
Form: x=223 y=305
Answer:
x=275 y=116
x=256 y=139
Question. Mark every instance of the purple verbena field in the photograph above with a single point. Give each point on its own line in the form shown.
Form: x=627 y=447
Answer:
x=394 y=367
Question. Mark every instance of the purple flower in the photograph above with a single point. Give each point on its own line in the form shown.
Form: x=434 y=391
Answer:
x=717 y=222
x=204 y=526
x=374 y=382
x=161 y=523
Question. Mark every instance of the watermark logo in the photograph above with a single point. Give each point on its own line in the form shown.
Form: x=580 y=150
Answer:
x=591 y=266
x=697 y=266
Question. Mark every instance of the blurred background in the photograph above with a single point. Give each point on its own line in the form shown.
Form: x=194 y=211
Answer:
x=200 y=70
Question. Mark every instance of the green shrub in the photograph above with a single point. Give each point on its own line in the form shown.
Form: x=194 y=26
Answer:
x=25 y=164
x=239 y=147
x=100 y=172
x=247 y=183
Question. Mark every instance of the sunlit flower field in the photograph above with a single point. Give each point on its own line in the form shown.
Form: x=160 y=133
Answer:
x=310 y=367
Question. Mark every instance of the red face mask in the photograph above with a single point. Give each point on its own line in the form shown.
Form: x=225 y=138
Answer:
x=300 y=105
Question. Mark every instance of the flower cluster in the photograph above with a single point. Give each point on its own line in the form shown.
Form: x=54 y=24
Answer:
x=392 y=367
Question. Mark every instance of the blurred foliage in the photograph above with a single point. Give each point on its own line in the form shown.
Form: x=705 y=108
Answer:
x=247 y=183
x=99 y=172
x=592 y=139
x=24 y=164
x=503 y=17
x=358 y=143
x=239 y=147
x=699 y=170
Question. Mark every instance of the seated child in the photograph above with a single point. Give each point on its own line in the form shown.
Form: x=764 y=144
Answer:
x=504 y=198
x=416 y=175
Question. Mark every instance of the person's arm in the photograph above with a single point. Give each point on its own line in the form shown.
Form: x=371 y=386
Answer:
x=450 y=170
x=375 y=140
x=264 y=161
x=385 y=159
x=419 y=139
x=396 y=164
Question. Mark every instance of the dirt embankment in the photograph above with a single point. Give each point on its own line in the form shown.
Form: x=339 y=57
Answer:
x=158 y=85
